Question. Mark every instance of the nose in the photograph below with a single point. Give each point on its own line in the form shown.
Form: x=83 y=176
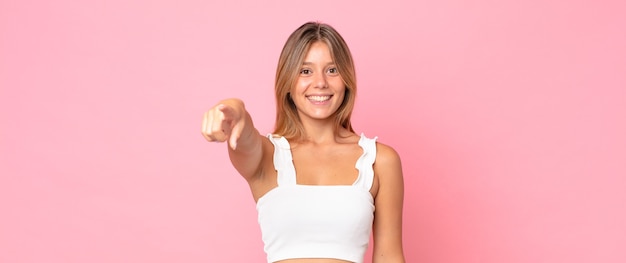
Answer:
x=320 y=80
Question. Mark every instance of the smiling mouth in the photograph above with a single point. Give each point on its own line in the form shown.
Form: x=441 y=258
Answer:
x=316 y=98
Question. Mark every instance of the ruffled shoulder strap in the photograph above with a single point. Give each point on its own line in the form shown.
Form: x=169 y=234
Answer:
x=365 y=163
x=286 y=173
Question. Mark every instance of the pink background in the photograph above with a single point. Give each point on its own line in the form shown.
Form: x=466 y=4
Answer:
x=510 y=117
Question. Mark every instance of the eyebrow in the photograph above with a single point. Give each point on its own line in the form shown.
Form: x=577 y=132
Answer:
x=311 y=63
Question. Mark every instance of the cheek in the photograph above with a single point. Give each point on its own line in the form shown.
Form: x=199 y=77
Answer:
x=338 y=82
x=300 y=85
x=343 y=91
x=341 y=87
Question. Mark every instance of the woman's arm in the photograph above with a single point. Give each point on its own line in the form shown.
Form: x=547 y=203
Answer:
x=388 y=201
x=229 y=121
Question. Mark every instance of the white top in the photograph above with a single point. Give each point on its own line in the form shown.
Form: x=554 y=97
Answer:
x=317 y=221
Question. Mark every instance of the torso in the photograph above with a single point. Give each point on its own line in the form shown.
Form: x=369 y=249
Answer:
x=332 y=164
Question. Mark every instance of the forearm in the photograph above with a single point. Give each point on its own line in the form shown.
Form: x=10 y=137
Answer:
x=246 y=152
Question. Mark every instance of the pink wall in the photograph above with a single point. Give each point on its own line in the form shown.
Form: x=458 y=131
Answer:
x=510 y=118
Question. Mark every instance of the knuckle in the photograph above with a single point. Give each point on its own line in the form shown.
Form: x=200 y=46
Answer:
x=216 y=129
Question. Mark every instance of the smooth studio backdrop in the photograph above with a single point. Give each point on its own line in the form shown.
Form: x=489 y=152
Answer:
x=509 y=116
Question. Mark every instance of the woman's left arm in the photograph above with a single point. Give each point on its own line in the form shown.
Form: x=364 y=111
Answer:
x=388 y=201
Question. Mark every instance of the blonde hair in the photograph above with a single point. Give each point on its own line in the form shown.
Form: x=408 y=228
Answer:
x=288 y=122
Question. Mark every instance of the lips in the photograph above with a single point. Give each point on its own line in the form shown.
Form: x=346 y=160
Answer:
x=319 y=98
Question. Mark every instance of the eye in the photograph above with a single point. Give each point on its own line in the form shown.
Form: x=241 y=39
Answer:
x=333 y=71
x=305 y=71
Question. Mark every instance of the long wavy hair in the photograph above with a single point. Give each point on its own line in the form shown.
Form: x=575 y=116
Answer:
x=288 y=123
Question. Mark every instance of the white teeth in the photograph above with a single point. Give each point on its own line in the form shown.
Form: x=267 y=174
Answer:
x=319 y=98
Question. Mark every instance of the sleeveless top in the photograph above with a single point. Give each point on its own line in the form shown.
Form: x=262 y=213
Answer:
x=317 y=221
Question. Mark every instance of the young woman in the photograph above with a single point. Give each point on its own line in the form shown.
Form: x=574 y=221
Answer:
x=319 y=187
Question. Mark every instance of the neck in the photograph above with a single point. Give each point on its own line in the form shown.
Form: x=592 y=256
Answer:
x=319 y=131
x=322 y=132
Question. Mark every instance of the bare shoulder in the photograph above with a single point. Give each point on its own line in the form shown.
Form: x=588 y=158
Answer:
x=268 y=150
x=387 y=170
x=386 y=157
x=266 y=159
x=268 y=171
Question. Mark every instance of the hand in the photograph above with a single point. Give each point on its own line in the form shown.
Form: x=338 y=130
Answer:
x=224 y=122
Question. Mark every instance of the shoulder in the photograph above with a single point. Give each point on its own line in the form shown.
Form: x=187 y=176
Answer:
x=388 y=167
x=269 y=142
x=386 y=155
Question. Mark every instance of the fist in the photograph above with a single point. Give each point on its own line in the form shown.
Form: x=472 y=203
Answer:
x=224 y=122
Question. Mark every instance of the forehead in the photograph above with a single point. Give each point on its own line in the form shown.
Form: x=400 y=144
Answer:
x=318 y=52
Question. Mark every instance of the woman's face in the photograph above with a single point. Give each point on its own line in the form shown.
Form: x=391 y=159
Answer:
x=319 y=89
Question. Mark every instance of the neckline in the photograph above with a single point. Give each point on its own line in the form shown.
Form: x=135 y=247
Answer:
x=292 y=166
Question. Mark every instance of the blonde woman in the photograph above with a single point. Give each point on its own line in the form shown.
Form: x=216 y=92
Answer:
x=319 y=187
